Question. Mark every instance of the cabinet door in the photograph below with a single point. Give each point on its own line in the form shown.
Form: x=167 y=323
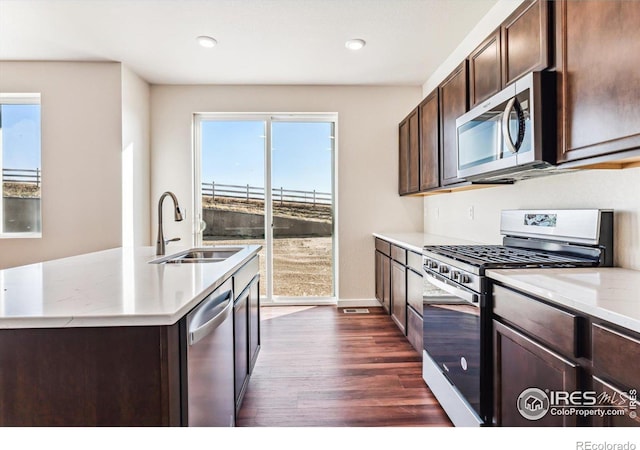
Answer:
x=519 y=364
x=386 y=283
x=525 y=40
x=403 y=163
x=599 y=84
x=415 y=330
x=409 y=153
x=383 y=280
x=485 y=70
x=241 y=347
x=414 y=153
x=453 y=103
x=399 y=295
x=254 y=321
x=429 y=142
x=379 y=276
x=415 y=290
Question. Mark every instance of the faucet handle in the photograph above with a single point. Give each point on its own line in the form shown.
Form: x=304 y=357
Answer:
x=171 y=240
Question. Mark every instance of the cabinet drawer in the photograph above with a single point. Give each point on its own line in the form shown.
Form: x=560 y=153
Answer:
x=399 y=254
x=383 y=247
x=414 y=261
x=616 y=356
x=546 y=323
x=244 y=275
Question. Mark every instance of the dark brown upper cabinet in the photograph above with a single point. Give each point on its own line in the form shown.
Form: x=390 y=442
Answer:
x=598 y=55
x=519 y=46
x=403 y=164
x=485 y=74
x=525 y=41
x=453 y=103
x=429 y=142
x=409 y=164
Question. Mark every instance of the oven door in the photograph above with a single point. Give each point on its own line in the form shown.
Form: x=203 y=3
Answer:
x=452 y=342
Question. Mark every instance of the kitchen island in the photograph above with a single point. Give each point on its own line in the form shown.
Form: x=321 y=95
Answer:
x=99 y=339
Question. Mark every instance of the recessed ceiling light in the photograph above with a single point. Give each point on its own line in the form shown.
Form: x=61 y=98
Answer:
x=206 y=41
x=355 y=44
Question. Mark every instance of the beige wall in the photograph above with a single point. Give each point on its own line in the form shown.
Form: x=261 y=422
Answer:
x=81 y=147
x=479 y=33
x=367 y=158
x=136 y=180
x=447 y=214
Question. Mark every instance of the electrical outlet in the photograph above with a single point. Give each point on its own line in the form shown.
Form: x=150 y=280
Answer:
x=470 y=213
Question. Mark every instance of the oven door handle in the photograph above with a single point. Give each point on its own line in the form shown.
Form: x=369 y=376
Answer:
x=458 y=291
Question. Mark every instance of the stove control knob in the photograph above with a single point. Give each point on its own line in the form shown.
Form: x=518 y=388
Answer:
x=444 y=269
x=432 y=264
x=464 y=279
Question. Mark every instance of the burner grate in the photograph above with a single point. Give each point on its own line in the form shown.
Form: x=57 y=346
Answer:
x=486 y=255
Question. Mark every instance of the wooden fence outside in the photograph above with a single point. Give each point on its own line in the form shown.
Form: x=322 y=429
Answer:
x=28 y=176
x=247 y=192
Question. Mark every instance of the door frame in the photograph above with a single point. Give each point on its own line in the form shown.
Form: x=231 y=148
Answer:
x=268 y=119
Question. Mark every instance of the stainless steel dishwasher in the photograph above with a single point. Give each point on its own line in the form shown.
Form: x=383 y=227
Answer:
x=210 y=365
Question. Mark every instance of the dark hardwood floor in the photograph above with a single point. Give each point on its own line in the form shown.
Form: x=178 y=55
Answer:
x=321 y=367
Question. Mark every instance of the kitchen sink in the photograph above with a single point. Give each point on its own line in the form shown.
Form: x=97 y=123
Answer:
x=199 y=255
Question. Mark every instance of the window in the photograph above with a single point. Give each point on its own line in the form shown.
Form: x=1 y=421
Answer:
x=269 y=180
x=20 y=161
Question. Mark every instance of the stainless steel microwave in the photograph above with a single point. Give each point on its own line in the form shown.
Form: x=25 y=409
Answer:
x=512 y=135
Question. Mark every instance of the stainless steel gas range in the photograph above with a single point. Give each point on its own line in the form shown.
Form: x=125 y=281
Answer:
x=457 y=299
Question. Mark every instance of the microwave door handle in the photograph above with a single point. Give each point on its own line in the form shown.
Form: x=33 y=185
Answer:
x=506 y=132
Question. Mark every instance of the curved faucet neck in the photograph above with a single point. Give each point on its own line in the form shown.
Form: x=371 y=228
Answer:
x=160 y=242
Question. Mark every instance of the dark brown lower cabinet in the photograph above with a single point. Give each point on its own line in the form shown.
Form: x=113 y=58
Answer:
x=414 y=309
x=103 y=376
x=254 y=322
x=241 y=344
x=415 y=330
x=399 y=295
x=619 y=401
x=399 y=288
x=521 y=363
x=383 y=280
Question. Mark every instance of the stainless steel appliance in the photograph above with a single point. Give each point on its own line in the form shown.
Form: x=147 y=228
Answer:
x=457 y=304
x=210 y=364
x=510 y=136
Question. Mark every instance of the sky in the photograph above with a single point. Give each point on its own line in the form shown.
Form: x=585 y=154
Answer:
x=20 y=136
x=233 y=153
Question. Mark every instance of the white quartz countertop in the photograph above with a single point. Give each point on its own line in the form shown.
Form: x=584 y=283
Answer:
x=415 y=241
x=115 y=287
x=608 y=293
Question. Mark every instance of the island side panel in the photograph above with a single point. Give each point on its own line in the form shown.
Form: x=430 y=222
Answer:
x=109 y=376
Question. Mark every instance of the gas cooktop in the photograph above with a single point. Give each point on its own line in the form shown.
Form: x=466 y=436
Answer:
x=500 y=256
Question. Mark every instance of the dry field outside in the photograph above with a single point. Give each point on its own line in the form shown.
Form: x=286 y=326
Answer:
x=302 y=266
x=20 y=190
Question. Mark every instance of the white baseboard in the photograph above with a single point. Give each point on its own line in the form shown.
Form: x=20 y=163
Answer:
x=357 y=302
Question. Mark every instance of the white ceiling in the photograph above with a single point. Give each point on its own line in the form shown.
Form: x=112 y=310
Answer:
x=259 y=41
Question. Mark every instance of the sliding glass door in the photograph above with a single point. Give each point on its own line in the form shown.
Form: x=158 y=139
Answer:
x=270 y=180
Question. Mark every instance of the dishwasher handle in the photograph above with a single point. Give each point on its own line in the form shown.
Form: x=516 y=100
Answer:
x=210 y=314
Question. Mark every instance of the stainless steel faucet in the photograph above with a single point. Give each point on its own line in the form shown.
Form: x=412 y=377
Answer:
x=161 y=243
